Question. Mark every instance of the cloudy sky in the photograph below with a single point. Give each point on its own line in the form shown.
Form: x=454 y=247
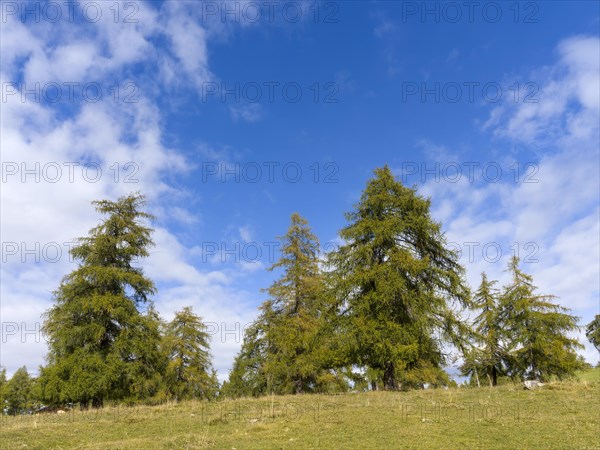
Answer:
x=231 y=116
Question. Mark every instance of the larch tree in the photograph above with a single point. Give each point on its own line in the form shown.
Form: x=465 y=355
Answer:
x=294 y=299
x=189 y=373
x=489 y=355
x=398 y=286
x=18 y=392
x=537 y=329
x=102 y=345
x=283 y=352
x=3 y=381
x=592 y=331
x=247 y=377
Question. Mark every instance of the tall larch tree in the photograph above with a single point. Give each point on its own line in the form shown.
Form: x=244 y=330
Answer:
x=102 y=344
x=398 y=286
x=538 y=330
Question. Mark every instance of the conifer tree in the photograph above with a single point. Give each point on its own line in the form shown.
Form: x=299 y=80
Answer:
x=592 y=332
x=101 y=345
x=537 y=329
x=247 y=377
x=19 y=392
x=3 y=382
x=396 y=285
x=489 y=356
x=189 y=372
x=284 y=351
x=294 y=299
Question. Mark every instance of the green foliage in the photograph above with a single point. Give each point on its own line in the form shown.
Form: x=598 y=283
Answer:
x=19 y=392
x=488 y=358
x=285 y=351
x=536 y=330
x=101 y=346
x=189 y=373
x=247 y=377
x=3 y=383
x=394 y=283
x=520 y=333
x=592 y=332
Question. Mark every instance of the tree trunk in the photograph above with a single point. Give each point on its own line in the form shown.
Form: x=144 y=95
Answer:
x=97 y=403
x=389 y=378
x=373 y=385
x=494 y=376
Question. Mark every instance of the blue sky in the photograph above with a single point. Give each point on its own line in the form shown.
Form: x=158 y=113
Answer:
x=510 y=100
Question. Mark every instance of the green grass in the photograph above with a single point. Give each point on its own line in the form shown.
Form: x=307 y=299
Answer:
x=590 y=375
x=560 y=415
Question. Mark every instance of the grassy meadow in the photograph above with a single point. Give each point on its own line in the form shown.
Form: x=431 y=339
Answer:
x=560 y=415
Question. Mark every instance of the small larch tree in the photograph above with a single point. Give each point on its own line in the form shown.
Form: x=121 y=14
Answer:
x=488 y=356
x=3 y=381
x=592 y=332
x=19 y=392
x=295 y=311
x=189 y=372
x=537 y=330
x=248 y=377
x=283 y=351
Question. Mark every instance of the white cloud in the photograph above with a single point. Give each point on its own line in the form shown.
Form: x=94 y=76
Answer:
x=245 y=233
x=250 y=112
x=568 y=91
x=188 y=43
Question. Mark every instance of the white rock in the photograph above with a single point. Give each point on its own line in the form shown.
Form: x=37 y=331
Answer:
x=532 y=384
